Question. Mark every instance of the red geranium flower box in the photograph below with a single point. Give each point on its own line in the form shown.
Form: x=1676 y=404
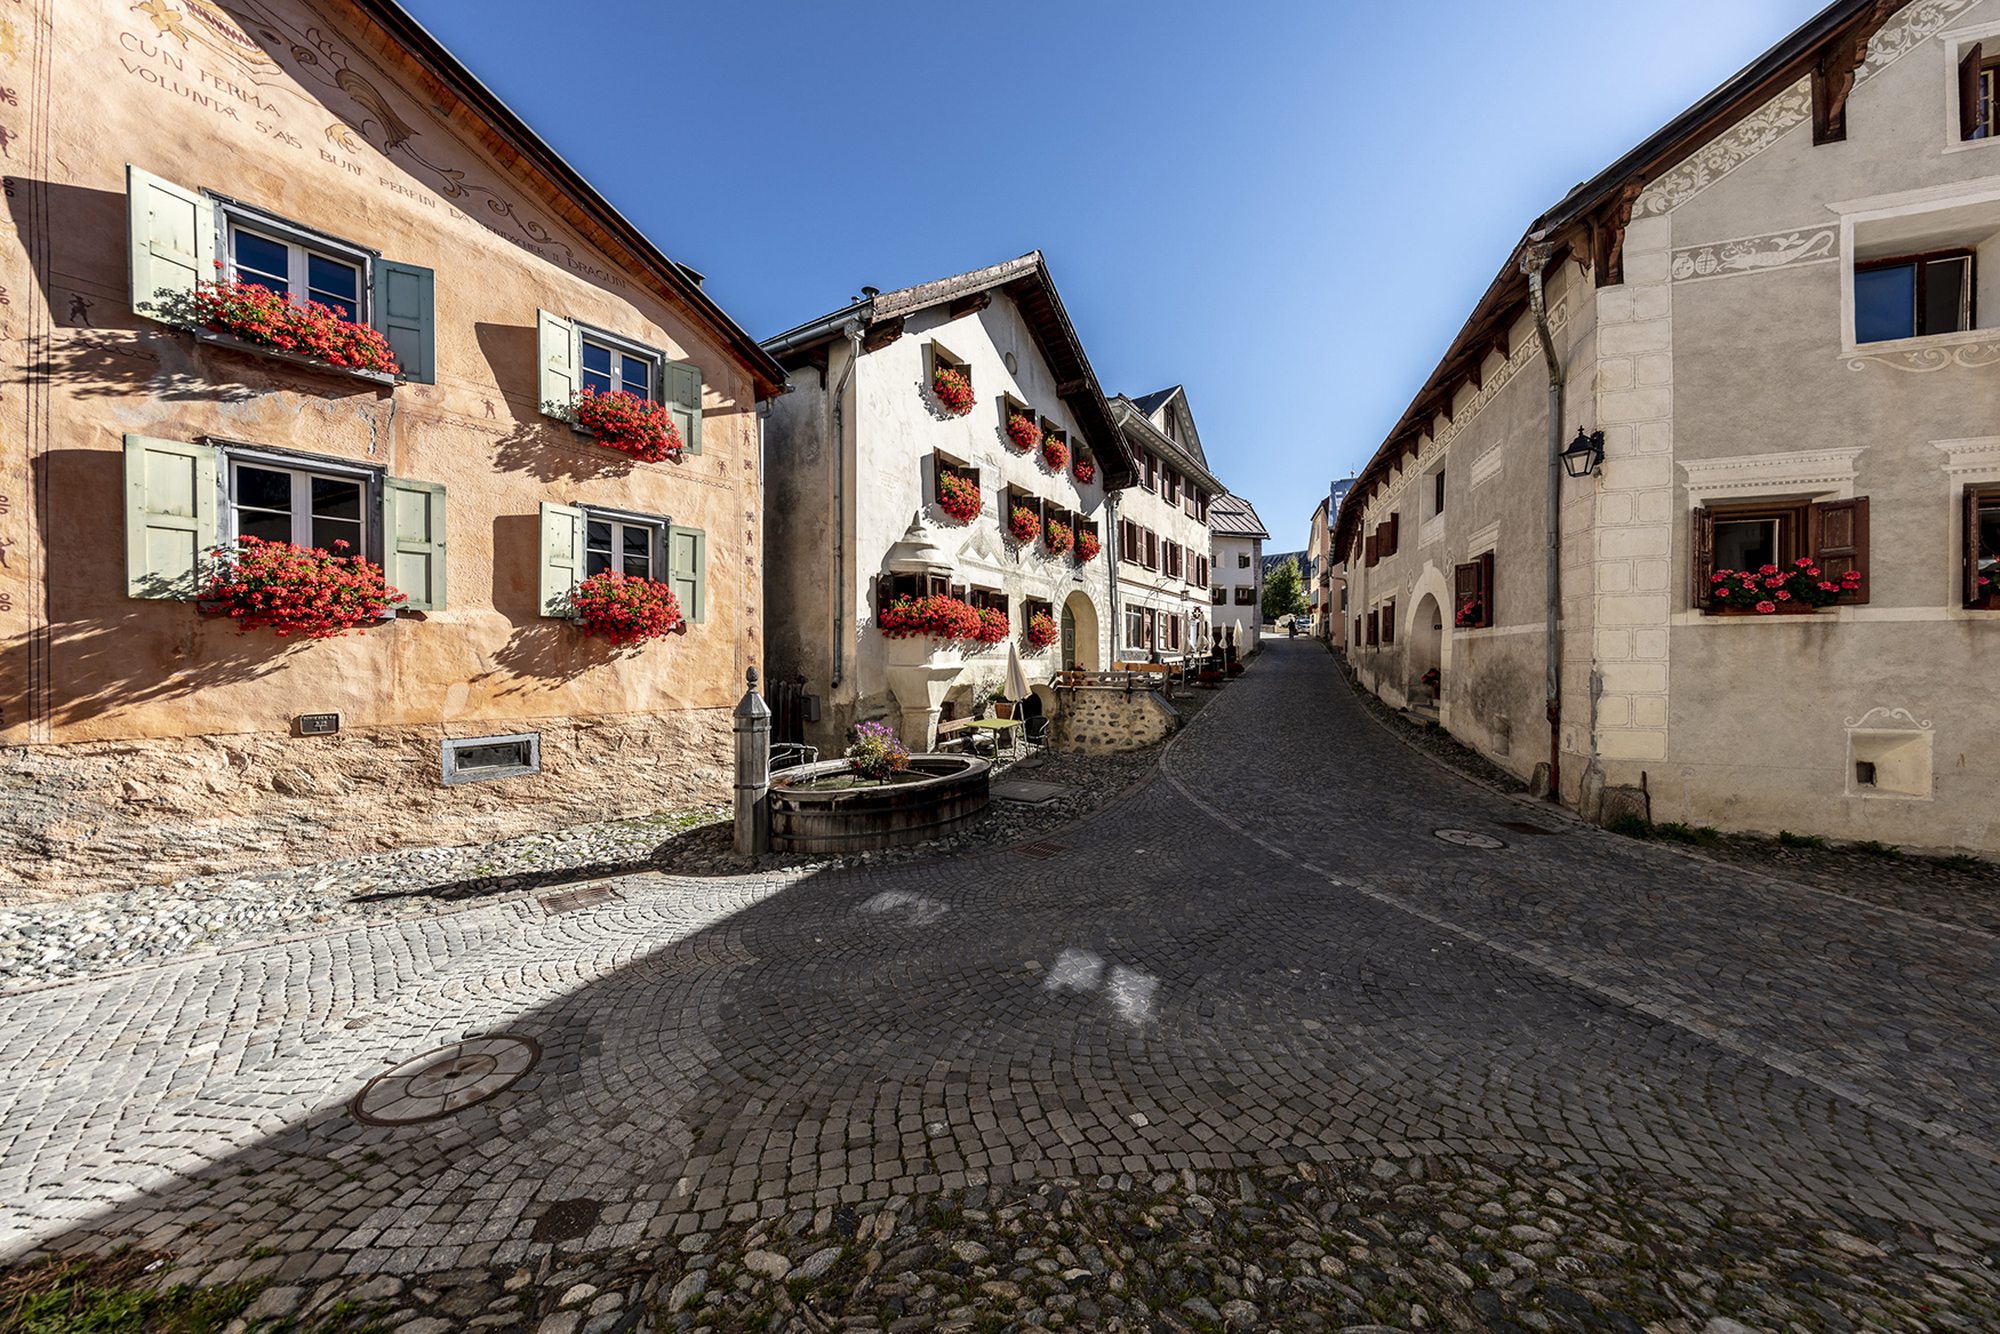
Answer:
x=628 y=423
x=1021 y=429
x=625 y=609
x=1023 y=524
x=958 y=497
x=953 y=390
x=1085 y=471
x=992 y=626
x=1769 y=590
x=936 y=616
x=253 y=313
x=1042 y=630
x=296 y=590
x=1087 y=547
x=1055 y=453
x=1058 y=537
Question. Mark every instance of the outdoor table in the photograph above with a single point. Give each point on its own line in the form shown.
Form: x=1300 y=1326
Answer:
x=997 y=726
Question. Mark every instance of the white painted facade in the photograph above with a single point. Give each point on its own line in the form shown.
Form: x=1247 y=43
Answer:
x=1236 y=573
x=1163 y=559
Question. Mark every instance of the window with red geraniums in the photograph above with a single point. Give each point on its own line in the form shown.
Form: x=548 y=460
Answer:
x=1054 y=453
x=1769 y=589
x=936 y=617
x=1084 y=471
x=1468 y=614
x=1042 y=631
x=1021 y=429
x=254 y=313
x=1024 y=524
x=625 y=608
x=628 y=423
x=1058 y=537
x=953 y=390
x=958 y=497
x=993 y=626
x=1087 y=547
x=293 y=590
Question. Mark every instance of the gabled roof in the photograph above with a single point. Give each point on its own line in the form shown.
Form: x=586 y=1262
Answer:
x=1026 y=281
x=1232 y=516
x=1173 y=403
x=1142 y=434
x=459 y=93
x=1589 y=224
x=1150 y=403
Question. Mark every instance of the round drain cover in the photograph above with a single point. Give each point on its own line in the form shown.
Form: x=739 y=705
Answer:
x=444 y=1081
x=1466 y=838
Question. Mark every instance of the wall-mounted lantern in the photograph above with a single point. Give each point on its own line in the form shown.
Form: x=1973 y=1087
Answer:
x=1584 y=454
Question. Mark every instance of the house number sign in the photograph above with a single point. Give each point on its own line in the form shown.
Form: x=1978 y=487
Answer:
x=318 y=724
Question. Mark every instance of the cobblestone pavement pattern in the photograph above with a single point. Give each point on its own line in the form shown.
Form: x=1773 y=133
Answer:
x=1265 y=956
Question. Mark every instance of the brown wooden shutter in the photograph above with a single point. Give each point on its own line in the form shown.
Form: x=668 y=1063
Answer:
x=1489 y=610
x=1464 y=588
x=1701 y=552
x=1972 y=594
x=1357 y=629
x=1389 y=622
x=1840 y=542
x=1968 y=92
x=1374 y=628
x=1152 y=550
x=1395 y=525
x=1368 y=549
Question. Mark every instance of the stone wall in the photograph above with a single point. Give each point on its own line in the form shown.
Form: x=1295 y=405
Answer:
x=1103 y=721
x=81 y=818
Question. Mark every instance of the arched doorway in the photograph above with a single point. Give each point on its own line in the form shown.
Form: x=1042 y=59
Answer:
x=1080 y=634
x=1426 y=651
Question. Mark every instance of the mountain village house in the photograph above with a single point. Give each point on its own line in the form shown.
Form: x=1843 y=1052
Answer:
x=1236 y=572
x=1326 y=581
x=947 y=440
x=331 y=150
x=1162 y=568
x=1782 y=313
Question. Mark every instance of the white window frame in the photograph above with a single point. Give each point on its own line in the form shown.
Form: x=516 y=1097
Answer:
x=302 y=469
x=1909 y=208
x=1955 y=44
x=619 y=521
x=232 y=216
x=622 y=349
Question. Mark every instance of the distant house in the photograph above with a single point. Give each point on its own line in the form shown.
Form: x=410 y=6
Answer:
x=946 y=440
x=1236 y=542
x=1162 y=526
x=1761 y=592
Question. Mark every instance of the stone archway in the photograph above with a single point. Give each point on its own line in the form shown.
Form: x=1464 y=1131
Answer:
x=1426 y=632
x=1081 y=637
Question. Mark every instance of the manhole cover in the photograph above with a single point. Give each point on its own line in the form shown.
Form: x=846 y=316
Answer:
x=1523 y=827
x=1465 y=838
x=444 y=1081
x=1042 y=851
x=589 y=896
x=567 y=1220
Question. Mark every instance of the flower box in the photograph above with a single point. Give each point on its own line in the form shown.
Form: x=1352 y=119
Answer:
x=958 y=497
x=1041 y=630
x=1770 y=591
x=1024 y=524
x=253 y=318
x=1021 y=429
x=953 y=390
x=213 y=339
x=1088 y=544
x=627 y=423
x=626 y=609
x=1084 y=470
x=993 y=626
x=293 y=590
x=1057 y=537
x=1054 y=453
x=934 y=617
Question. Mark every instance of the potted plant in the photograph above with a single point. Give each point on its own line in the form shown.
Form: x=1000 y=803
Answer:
x=1084 y=471
x=1087 y=547
x=1054 y=453
x=1769 y=590
x=627 y=423
x=1042 y=631
x=625 y=609
x=253 y=313
x=876 y=753
x=1021 y=429
x=1058 y=537
x=1468 y=612
x=292 y=590
x=1003 y=708
x=953 y=390
x=1209 y=677
x=1023 y=524
x=1435 y=680
x=958 y=497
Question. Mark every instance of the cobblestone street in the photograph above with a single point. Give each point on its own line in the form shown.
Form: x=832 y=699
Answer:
x=1264 y=955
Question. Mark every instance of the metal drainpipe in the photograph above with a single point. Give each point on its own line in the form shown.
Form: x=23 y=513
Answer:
x=852 y=330
x=1111 y=566
x=1533 y=260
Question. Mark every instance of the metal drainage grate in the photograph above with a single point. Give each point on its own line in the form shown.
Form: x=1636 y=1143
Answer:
x=1523 y=827
x=589 y=896
x=1042 y=851
x=1466 y=838
x=445 y=1080
x=567 y=1220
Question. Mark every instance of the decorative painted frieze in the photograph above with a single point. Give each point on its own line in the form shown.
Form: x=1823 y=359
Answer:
x=1923 y=360
x=1756 y=254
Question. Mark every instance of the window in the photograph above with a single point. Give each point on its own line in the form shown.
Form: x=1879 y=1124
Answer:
x=1982 y=548
x=1473 y=593
x=1369 y=545
x=1173 y=632
x=1171 y=492
x=578 y=542
x=1218 y=595
x=1386 y=535
x=619 y=545
x=478 y=759
x=1151 y=478
x=1389 y=622
x=1437 y=492
x=284 y=262
x=1171 y=558
x=575 y=357
x=1913 y=296
x=307 y=507
x=1152 y=549
x=1199 y=575
x=943 y=466
x=1752 y=535
x=1374 y=628
x=989 y=599
x=1246 y=595
x=607 y=369
x=938 y=358
x=1242 y=560
x=1978 y=113
x=1138 y=628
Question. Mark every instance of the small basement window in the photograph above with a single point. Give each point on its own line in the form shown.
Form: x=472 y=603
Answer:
x=477 y=759
x=1913 y=296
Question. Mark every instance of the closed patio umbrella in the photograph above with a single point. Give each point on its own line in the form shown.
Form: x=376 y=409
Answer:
x=1017 y=680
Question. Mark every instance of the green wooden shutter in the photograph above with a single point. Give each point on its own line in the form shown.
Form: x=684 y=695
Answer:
x=413 y=531
x=173 y=241
x=681 y=392
x=170 y=504
x=406 y=314
x=687 y=568
x=561 y=556
x=555 y=341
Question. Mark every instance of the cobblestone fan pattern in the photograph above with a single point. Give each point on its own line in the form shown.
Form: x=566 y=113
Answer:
x=1164 y=994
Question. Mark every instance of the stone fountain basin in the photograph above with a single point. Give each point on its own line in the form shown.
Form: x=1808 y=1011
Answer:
x=857 y=819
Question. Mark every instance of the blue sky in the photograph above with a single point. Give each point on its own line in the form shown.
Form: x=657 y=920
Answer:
x=1289 y=208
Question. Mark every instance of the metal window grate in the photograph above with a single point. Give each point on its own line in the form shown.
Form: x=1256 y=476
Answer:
x=1042 y=851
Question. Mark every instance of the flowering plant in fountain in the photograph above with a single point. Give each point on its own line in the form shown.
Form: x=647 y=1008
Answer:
x=1021 y=429
x=953 y=390
x=254 y=313
x=936 y=617
x=1087 y=546
x=625 y=609
x=1769 y=589
x=296 y=590
x=958 y=497
x=1023 y=524
x=627 y=423
x=876 y=753
x=1084 y=471
x=1041 y=631
x=1058 y=537
x=1055 y=453
x=992 y=626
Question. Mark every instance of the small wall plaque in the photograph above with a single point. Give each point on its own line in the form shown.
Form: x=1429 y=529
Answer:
x=318 y=724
